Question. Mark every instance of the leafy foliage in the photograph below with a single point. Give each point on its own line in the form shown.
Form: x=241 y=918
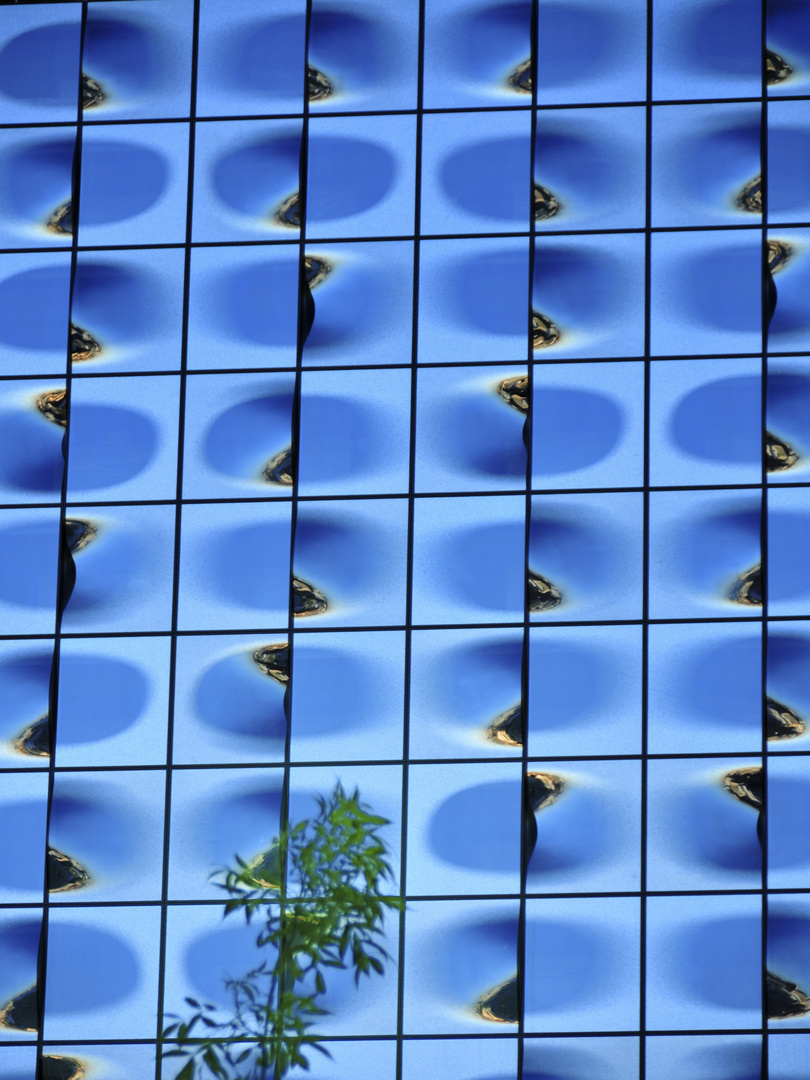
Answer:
x=316 y=898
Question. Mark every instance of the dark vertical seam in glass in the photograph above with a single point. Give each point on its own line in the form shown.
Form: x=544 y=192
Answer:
x=409 y=553
x=65 y=561
x=161 y=987
x=526 y=811
x=645 y=555
x=766 y=285
x=305 y=314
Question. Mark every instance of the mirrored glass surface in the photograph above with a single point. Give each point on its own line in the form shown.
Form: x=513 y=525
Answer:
x=32 y=428
x=706 y=422
x=134 y=184
x=39 y=56
x=25 y=673
x=246 y=180
x=20 y=932
x=243 y=307
x=788 y=330
x=363 y=296
x=475 y=169
x=231 y=695
x=585 y=557
x=710 y=1057
x=227 y=550
x=113 y=701
x=347 y=700
x=465 y=693
x=139 y=58
x=587 y=425
x=324 y=290
x=588 y=817
x=348 y=560
x=102 y=970
x=682 y=795
x=366 y=54
x=707 y=49
x=253 y=64
x=472 y=300
x=24 y=806
x=706 y=293
x=464 y=828
x=29 y=549
x=786 y=702
x=238 y=434
x=123 y=438
x=704 y=688
x=788 y=958
x=35 y=292
x=354 y=432
x=124 y=557
x=594 y=1058
x=471 y=428
x=786 y=24
x=584 y=690
x=476 y=55
x=784 y=437
x=587 y=296
x=689 y=941
x=360 y=176
x=704 y=160
x=126 y=311
x=705 y=554
x=105 y=836
x=459 y=952
x=469 y=554
x=35 y=186
x=592 y=947
x=788 y=523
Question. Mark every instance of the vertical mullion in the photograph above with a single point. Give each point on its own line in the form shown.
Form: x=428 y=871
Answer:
x=645 y=554
x=766 y=284
x=409 y=555
x=525 y=805
x=63 y=556
x=303 y=295
x=177 y=536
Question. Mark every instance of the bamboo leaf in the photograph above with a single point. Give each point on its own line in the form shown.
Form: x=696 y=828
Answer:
x=212 y=1061
x=326 y=911
x=187 y=1071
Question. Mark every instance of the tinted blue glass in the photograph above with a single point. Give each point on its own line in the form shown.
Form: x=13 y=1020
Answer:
x=382 y=402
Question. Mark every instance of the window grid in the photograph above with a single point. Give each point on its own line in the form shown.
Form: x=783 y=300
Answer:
x=413 y=498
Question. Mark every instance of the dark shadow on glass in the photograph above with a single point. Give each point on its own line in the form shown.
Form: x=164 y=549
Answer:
x=721 y=420
x=124 y=52
x=240 y=440
x=479 y=828
x=30 y=450
x=40 y=66
x=572 y=429
x=38 y=176
x=120 y=180
x=35 y=308
x=723 y=38
x=232 y=696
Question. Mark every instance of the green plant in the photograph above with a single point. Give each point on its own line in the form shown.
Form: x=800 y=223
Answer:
x=316 y=893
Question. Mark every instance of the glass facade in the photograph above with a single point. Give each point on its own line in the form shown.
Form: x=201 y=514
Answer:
x=415 y=395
